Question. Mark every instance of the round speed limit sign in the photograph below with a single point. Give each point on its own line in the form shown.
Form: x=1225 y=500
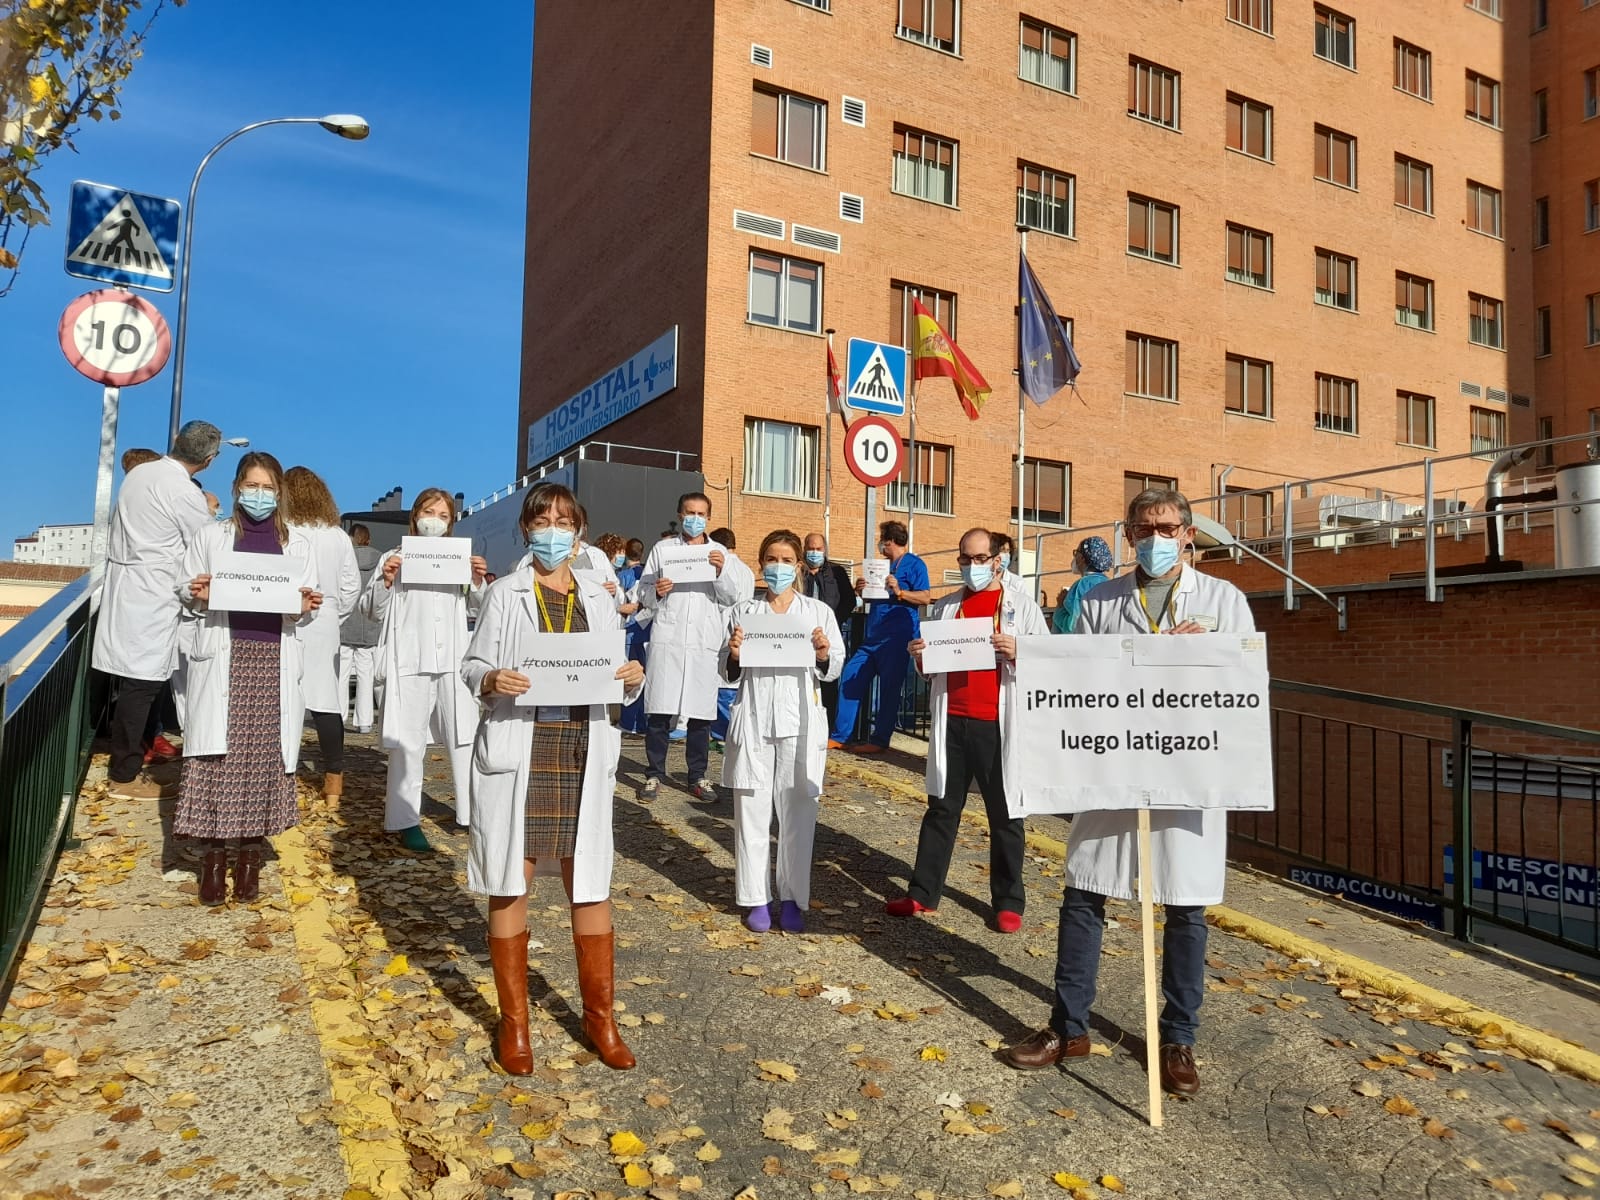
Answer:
x=872 y=450
x=115 y=338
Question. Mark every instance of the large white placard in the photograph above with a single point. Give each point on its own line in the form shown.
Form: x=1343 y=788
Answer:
x=876 y=572
x=1167 y=721
x=435 y=560
x=574 y=668
x=265 y=583
x=689 y=564
x=958 y=644
x=775 y=640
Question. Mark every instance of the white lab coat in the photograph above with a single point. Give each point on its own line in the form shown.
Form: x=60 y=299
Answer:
x=507 y=625
x=686 y=634
x=411 y=616
x=1019 y=614
x=340 y=579
x=587 y=560
x=761 y=692
x=158 y=513
x=1188 y=849
x=209 y=653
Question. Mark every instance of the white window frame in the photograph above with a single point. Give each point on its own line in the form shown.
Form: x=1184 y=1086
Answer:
x=1048 y=34
x=1400 y=47
x=1484 y=326
x=1327 y=416
x=1332 y=293
x=927 y=38
x=1427 y=321
x=915 y=168
x=1407 y=436
x=1490 y=446
x=1246 y=361
x=1408 y=162
x=1044 y=200
x=783 y=280
x=1152 y=204
x=1324 y=31
x=1246 y=104
x=1144 y=72
x=1496 y=95
x=1266 y=16
x=819 y=137
x=1030 y=472
x=1145 y=341
x=1244 y=277
x=931 y=498
x=799 y=462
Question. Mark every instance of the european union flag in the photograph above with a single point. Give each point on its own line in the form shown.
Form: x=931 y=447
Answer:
x=1047 y=360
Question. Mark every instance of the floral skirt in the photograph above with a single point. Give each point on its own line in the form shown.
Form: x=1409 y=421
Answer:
x=246 y=792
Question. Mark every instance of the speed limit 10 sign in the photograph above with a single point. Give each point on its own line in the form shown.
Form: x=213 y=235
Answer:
x=115 y=338
x=872 y=450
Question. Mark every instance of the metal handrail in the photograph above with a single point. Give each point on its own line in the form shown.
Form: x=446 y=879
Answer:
x=578 y=453
x=23 y=641
x=1447 y=711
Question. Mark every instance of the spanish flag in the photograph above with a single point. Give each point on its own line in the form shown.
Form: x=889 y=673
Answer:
x=934 y=354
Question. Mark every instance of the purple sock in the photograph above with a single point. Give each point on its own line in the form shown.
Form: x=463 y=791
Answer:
x=791 y=918
x=758 y=919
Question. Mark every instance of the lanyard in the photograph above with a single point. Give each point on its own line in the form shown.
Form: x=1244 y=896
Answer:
x=550 y=625
x=1155 y=624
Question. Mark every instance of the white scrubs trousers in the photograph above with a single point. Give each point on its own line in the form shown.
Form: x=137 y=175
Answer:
x=359 y=659
x=423 y=700
x=797 y=829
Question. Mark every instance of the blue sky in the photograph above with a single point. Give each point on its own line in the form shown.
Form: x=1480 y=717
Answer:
x=354 y=306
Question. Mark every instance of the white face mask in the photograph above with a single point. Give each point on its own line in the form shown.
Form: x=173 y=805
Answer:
x=432 y=526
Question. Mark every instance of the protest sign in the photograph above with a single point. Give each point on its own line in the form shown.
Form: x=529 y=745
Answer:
x=775 y=640
x=688 y=564
x=435 y=560
x=264 y=583
x=573 y=668
x=875 y=571
x=958 y=644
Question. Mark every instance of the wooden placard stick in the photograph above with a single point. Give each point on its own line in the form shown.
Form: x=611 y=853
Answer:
x=1147 y=926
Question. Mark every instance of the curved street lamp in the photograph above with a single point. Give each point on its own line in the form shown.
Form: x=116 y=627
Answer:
x=346 y=125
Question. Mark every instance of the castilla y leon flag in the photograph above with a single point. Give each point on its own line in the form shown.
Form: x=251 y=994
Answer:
x=935 y=354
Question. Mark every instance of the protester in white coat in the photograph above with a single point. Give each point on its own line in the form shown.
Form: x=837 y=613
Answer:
x=685 y=640
x=543 y=779
x=419 y=653
x=159 y=511
x=777 y=745
x=971 y=716
x=245 y=714
x=309 y=508
x=1188 y=848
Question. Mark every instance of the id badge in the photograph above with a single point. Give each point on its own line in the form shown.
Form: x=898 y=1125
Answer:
x=545 y=714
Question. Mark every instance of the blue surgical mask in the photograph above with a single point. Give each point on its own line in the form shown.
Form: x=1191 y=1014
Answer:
x=1005 y=561
x=779 y=577
x=551 y=547
x=815 y=558
x=619 y=560
x=258 y=503
x=694 y=525
x=1158 y=555
x=977 y=576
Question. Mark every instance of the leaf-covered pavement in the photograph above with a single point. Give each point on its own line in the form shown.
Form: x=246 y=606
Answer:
x=333 y=1039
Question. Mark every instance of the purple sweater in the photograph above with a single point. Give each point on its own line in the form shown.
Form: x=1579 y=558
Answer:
x=256 y=537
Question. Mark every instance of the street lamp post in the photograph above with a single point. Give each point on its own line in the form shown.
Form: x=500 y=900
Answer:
x=346 y=125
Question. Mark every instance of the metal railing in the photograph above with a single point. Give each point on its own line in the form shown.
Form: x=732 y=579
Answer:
x=45 y=734
x=1396 y=795
x=597 y=451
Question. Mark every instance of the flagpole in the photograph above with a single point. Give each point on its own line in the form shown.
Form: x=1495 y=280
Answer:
x=1022 y=427
x=911 y=496
x=827 y=442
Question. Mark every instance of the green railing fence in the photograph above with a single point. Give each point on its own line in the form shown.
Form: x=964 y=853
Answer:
x=45 y=733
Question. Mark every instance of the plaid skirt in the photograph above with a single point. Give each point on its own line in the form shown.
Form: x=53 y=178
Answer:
x=555 y=789
x=246 y=792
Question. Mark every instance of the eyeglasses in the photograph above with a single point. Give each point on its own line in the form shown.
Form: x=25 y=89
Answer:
x=563 y=523
x=1140 y=532
x=973 y=560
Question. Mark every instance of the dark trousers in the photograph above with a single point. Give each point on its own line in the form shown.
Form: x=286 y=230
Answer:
x=130 y=725
x=633 y=720
x=330 y=740
x=1183 y=966
x=697 y=747
x=972 y=752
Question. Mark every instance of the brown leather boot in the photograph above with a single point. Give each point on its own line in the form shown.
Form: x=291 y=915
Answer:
x=596 y=958
x=509 y=955
x=214 y=876
x=332 y=785
x=247 y=872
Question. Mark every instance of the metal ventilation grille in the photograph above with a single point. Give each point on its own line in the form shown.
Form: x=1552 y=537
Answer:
x=1521 y=399
x=749 y=222
x=1470 y=389
x=1497 y=395
x=853 y=111
x=760 y=55
x=820 y=239
x=852 y=208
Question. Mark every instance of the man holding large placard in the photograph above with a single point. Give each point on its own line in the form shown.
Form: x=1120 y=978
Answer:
x=685 y=589
x=971 y=709
x=1188 y=847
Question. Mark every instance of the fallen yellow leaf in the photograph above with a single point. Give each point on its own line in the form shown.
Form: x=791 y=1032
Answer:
x=772 y=1069
x=708 y=1152
x=840 y=1158
x=111 y=1091
x=397 y=965
x=637 y=1176
x=1400 y=1106
x=625 y=1143
x=1011 y=1187
x=934 y=1054
x=1069 y=1181
x=1112 y=1184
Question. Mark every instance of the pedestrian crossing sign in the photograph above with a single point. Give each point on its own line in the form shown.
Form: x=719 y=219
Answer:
x=877 y=373
x=122 y=237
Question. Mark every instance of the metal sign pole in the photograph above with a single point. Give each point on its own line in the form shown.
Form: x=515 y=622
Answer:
x=102 y=483
x=1022 y=442
x=911 y=492
x=827 y=442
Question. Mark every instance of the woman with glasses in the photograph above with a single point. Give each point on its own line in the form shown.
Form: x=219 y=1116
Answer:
x=543 y=778
x=777 y=744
